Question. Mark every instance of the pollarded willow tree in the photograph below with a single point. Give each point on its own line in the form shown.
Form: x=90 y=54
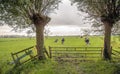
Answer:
x=23 y=13
x=108 y=11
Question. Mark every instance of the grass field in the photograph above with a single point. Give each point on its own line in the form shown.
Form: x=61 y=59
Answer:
x=8 y=45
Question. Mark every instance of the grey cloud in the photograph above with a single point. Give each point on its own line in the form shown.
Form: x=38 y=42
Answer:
x=67 y=15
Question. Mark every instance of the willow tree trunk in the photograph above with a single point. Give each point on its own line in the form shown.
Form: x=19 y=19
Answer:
x=40 y=41
x=107 y=41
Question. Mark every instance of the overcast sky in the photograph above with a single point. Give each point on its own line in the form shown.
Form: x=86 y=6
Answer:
x=67 y=15
x=67 y=20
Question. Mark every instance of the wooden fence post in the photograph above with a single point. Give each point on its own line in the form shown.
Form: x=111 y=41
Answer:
x=101 y=52
x=50 y=51
x=75 y=49
x=13 y=57
x=46 y=52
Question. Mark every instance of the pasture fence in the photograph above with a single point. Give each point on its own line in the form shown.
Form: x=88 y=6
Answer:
x=62 y=54
x=115 y=54
x=17 y=56
x=25 y=55
x=75 y=53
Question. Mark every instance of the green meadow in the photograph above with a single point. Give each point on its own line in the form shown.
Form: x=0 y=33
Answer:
x=9 y=45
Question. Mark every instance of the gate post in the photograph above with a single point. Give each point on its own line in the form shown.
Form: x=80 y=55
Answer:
x=50 y=52
x=101 y=52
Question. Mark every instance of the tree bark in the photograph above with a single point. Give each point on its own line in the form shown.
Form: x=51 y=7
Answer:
x=40 y=41
x=40 y=21
x=107 y=41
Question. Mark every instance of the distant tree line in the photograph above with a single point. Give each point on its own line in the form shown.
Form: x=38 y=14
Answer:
x=14 y=36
